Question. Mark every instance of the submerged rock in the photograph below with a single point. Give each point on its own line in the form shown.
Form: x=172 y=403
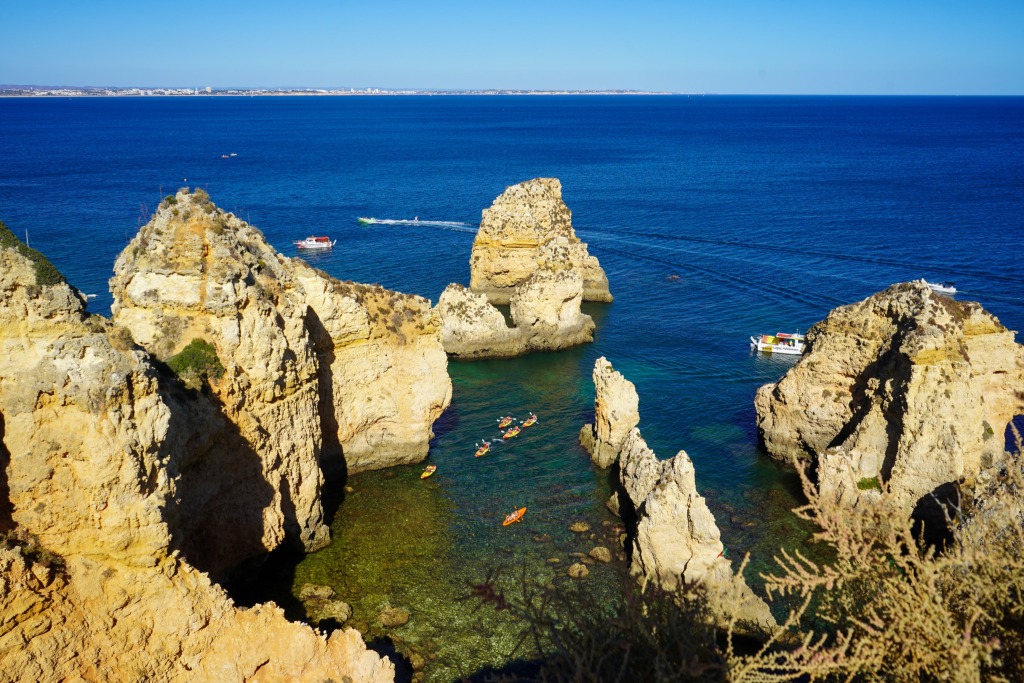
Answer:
x=578 y=571
x=512 y=236
x=319 y=610
x=314 y=591
x=903 y=394
x=393 y=617
x=616 y=412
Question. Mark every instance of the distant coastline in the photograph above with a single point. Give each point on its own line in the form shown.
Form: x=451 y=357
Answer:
x=77 y=91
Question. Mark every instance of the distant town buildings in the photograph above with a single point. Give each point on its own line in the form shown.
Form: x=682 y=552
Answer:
x=208 y=91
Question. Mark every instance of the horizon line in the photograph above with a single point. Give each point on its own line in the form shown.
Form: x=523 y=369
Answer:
x=349 y=91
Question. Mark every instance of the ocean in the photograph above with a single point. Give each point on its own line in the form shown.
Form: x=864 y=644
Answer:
x=715 y=217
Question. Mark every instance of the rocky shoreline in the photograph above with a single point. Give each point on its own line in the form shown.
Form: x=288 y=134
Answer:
x=147 y=457
x=139 y=478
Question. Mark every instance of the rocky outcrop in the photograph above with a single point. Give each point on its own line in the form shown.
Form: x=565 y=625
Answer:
x=473 y=328
x=102 y=621
x=546 y=307
x=545 y=312
x=906 y=393
x=309 y=360
x=616 y=412
x=383 y=370
x=676 y=538
x=95 y=454
x=513 y=234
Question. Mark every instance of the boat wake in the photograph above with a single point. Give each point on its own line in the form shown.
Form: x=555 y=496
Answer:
x=451 y=225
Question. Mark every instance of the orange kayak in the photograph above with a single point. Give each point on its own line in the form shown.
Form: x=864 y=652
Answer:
x=510 y=433
x=505 y=422
x=516 y=516
x=483 y=449
x=530 y=421
x=427 y=472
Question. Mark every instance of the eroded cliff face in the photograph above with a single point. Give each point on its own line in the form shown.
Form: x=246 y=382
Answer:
x=383 y=369
x=616 y=413
x=194 y=272
x=907 y=391
x=473 y=328
x=95 y=456
x=513 y=233
x=98 y=620
x=309 y=360
x=675 y=538
x=545 y=310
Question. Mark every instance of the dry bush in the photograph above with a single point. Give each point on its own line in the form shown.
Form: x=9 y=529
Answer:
x=890 y=608
x=573 y=635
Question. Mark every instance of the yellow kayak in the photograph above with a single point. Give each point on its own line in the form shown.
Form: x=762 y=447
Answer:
x=427 y=472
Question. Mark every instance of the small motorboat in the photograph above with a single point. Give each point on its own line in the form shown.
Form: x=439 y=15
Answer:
x=781 y=342
x=366 y=221
x=315 y=243
x=505 y=422
x=942 y=287
x=427 y=472
x=510 y=433
x=530 y=421
x=483 y=450
x=514 y=517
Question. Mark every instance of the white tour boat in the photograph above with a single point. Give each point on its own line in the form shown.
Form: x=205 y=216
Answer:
x=316 y=243
x=942 y=287
x=781 y=342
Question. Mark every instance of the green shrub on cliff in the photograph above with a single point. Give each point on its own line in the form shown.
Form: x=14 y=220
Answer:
x=46 y=272
x=196 y=363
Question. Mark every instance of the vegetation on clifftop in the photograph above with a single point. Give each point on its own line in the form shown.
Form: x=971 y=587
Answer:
x=46 y=272
x=196 y=364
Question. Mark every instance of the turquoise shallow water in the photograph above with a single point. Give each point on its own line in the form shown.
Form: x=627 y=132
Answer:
x=769 y=211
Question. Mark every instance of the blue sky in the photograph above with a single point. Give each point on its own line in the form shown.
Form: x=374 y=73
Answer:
x=825 y=46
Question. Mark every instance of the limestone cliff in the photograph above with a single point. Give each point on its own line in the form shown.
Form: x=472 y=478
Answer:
x=309 y=360
x=383 y=370
x=513 y=233
x=616 y=412
x=94 y=457
x=545 y=312
x=675 y=538
x=473 y=328
x=906 y=392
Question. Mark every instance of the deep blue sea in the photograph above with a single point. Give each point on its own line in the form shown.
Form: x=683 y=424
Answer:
x=770 y=211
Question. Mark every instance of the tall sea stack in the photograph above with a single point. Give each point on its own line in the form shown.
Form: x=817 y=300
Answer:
x=512 y=234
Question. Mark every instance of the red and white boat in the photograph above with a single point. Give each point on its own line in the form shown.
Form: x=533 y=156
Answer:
x=315 y=243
